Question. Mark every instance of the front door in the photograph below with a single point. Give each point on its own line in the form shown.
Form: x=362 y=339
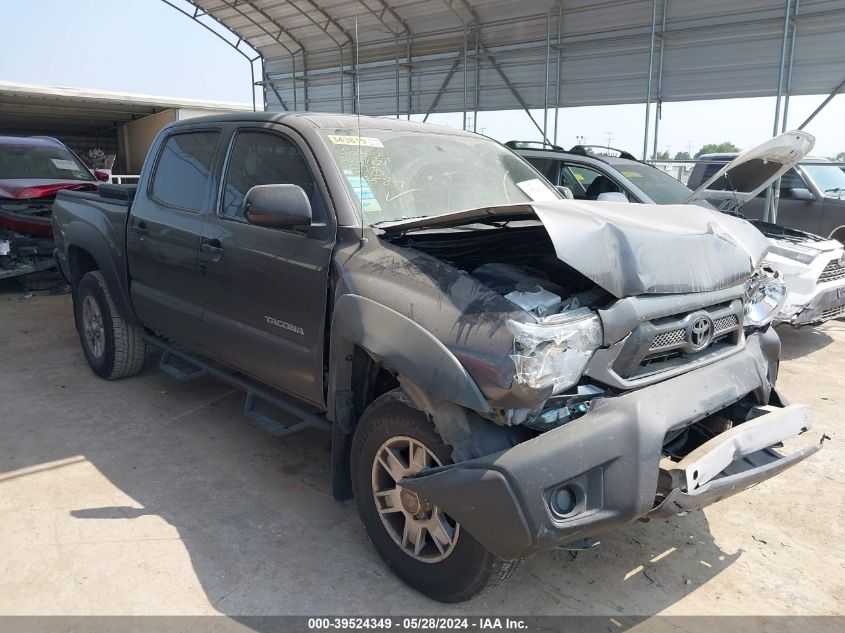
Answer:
x=265 y=290
x=163 y=234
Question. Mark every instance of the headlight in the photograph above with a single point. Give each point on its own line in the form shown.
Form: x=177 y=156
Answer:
x=795 y=253
x=765 y=295
x=554 y=351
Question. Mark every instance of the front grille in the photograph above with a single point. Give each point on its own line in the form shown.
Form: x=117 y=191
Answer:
x=667 y=339
x=833 y=313
x=725 y=324
x=834 y=271
x=665 y=343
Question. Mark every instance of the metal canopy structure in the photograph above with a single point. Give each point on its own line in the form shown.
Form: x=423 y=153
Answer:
x=424 y=56
x=28 y=109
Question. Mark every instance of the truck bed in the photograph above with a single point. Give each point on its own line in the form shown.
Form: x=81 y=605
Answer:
x=94 y=221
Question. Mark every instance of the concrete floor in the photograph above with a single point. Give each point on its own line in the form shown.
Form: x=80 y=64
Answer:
x=147 y=496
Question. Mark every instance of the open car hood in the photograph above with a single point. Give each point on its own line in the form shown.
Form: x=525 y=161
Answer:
x=755 y=169
x=632 y=249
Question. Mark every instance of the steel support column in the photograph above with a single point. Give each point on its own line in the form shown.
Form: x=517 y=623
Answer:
x=795 y=12
x=546 y=74
x=658 y=107
x=773 y=192
x=559 y=53
x=650 y=77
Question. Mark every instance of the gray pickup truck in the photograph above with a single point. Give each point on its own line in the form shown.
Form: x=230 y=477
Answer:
x=502 y=370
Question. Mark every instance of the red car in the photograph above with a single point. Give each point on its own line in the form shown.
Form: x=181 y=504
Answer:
x=32 y=170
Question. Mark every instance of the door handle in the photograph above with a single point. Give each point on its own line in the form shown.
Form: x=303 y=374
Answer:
x=212 y=249
x=140 y=228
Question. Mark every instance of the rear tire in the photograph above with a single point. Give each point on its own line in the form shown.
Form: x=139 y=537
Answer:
x=456 y=570
x=113 y=347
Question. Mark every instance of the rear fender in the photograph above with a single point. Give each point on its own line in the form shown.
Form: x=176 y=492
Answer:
x=83 y=241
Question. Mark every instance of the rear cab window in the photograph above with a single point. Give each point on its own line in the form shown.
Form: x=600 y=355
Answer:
x=183 y=169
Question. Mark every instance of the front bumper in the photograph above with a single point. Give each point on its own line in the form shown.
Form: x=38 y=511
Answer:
x=827 y=304
x=612 y=457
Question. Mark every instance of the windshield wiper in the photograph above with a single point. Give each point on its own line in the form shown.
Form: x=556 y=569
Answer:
x=416 y=217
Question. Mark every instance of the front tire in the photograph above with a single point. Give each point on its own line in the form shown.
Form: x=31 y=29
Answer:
x=113 y=347
x=422 y=545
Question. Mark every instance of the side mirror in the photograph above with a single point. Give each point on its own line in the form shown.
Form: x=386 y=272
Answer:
x=612 y=196
x=102 y=176
x=278 y=207
x=566 y=192
x=801 y=193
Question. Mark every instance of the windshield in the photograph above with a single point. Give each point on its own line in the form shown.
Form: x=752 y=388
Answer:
x=830 y=179
x=53 y=163
x=656 y=184
x=403 y=174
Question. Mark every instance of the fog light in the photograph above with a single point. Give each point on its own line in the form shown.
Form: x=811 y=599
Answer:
x=564 y=500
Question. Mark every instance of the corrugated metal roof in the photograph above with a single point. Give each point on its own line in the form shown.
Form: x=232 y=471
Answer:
x=26 y=109
x=449 y=55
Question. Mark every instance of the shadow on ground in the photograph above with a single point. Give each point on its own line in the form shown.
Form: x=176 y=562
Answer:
x=256 y=514
x=799 y=342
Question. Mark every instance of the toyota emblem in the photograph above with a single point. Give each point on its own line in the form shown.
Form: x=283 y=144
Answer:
x=700 y=333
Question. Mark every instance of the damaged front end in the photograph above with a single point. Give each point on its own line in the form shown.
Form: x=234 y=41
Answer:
x=22 y=255
x=644 y=362
x=671 y=447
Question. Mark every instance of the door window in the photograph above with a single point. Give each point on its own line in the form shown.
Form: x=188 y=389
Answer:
x=789 y=181
x=262 y=158
x=183 y=169
x=587 y=183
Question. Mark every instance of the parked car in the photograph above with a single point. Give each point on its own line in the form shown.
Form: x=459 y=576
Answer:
x=813 y=267
x=811 y=195
x=502 y=371
x=32 y=170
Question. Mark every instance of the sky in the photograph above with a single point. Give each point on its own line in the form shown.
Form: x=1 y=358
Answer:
x=147 y=47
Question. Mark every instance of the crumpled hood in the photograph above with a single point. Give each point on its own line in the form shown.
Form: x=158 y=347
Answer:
x=633 y=249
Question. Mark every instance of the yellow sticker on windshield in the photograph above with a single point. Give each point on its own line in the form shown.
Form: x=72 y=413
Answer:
x=363 y=141
x=631 y=174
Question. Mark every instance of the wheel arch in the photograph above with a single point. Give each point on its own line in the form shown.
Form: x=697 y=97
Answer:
x=86 y=253
x=373 y=347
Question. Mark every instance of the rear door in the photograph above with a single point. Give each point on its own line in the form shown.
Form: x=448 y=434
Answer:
x=163 y=237
x=265 y=290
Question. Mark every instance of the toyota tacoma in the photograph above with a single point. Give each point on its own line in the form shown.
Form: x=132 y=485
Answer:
x=502 y=370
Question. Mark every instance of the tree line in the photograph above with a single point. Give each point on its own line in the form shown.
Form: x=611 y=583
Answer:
x=720 y=148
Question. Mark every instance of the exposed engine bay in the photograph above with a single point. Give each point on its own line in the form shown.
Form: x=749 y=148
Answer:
x=518 y=262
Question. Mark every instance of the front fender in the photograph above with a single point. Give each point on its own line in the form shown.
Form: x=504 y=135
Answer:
x=403 y=346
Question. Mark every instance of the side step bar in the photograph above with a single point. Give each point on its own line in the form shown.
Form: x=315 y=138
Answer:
x=190 y=367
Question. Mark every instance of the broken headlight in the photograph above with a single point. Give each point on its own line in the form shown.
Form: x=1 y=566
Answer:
x=765 y=295
x=554 y=351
